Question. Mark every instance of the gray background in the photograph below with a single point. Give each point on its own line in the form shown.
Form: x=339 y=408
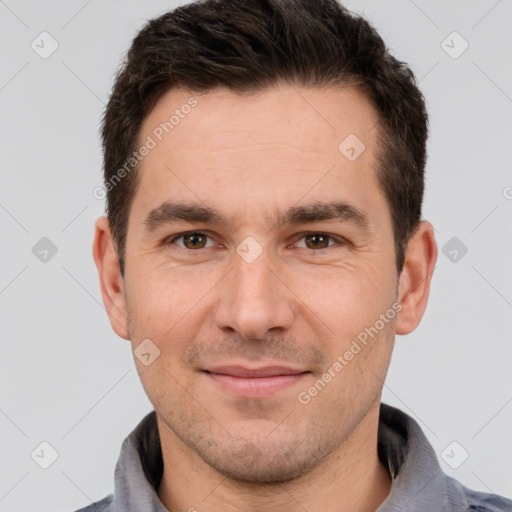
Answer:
x=67 y=379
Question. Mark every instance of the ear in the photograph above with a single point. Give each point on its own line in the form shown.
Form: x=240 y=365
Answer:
x=414 y=283
x=111 y=281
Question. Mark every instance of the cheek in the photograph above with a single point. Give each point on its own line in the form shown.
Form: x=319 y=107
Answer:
x=171 y=308
x=163 y=296
x=348 y=298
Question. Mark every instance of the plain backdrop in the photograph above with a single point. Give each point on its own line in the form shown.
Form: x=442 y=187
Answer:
x=66 y=379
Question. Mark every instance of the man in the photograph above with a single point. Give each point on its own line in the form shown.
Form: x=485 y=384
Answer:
x=264 y=169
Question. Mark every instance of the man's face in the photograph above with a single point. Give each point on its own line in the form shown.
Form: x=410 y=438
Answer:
x=255 y=293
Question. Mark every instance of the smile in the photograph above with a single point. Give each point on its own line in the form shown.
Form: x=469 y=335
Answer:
x=253 y=383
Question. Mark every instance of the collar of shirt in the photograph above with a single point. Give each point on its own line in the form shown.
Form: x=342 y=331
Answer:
x=418 y=483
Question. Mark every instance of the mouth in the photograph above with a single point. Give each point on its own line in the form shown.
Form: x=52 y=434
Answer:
x=254 y=382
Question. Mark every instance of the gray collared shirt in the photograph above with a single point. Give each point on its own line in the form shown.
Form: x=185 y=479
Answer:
x=418 y=483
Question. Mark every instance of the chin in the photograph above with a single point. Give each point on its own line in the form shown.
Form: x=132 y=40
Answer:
x=252 y=465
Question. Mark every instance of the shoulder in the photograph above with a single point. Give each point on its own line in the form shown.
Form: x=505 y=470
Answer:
x=481 y=501
x=103 y=505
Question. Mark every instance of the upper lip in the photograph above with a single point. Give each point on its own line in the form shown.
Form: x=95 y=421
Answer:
x=244 y=372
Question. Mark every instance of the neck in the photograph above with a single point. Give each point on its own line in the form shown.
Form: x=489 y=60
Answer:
x=350 y=479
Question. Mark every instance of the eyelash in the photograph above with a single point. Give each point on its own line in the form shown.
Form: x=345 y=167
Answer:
x=173 y=238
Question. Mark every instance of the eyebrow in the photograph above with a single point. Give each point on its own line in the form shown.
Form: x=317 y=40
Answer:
x=169 y=212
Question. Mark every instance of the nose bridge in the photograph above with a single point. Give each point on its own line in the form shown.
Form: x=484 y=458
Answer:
x=253 y=299
x=254 y=278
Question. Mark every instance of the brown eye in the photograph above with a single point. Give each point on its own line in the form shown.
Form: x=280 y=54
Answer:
x=194 y=241
x=191 y=240
x=317 y=240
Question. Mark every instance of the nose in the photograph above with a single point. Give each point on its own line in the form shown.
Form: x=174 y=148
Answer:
x=254 y=299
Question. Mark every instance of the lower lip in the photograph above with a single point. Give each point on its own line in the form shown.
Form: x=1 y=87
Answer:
x=256 y=386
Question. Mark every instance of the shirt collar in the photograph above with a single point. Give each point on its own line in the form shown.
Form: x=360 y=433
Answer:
x=418 y=483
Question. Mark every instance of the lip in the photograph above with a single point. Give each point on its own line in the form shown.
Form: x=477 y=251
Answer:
x=255 y=382
x=243 y=371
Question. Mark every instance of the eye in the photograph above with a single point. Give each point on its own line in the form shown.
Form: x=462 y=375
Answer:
x=192 y=240
x=195 y=240
x=319 y=240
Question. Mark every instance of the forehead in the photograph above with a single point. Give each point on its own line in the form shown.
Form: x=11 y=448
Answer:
x=279 y=144
x=317 y=118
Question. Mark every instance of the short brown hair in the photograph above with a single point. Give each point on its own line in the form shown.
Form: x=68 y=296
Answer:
x=250 y=45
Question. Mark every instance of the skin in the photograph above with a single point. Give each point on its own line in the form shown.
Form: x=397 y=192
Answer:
x=300 y=303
